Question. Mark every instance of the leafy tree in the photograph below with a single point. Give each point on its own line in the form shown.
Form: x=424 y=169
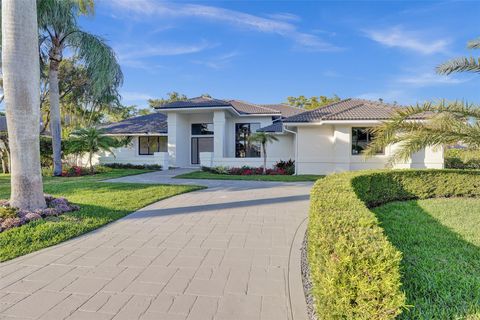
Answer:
x=59 y=30
x=428 y=125
x=92 y=140
x=312 y=102
x=172 y=97
x=21 y=78
x=462 y=64
x=263 y=138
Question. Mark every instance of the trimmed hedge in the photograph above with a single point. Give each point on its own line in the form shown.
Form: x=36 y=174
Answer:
x=462 y=159
x=355 y=270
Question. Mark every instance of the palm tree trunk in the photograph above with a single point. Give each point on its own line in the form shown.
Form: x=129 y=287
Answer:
x=55 y=119
x=264 y=158
x=90 y=154
x=21 y=85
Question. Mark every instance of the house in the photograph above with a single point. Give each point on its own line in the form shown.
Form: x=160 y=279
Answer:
x=205 y=131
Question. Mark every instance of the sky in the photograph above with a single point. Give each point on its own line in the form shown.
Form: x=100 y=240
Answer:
x=265 y=51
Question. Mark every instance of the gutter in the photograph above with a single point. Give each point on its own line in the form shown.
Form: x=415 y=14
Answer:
x=296 y=147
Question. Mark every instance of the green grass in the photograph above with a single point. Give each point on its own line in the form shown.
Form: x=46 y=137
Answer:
x=279 y=178
x=100 y=203
x=440 y=242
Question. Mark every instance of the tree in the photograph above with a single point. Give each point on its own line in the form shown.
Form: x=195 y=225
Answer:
x=172 y=97
x=428 y=125
x=21 y=85
x=263 y=138
x=462 y=64
x=312 y=102
x=59 y=30
x=91 y=140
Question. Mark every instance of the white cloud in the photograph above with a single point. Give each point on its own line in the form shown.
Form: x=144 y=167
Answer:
x=285 y=16
x=134 y=97
x=218 y=62
x=278 y=25
x=398 y=37
x=428 y=79
x=130 y=52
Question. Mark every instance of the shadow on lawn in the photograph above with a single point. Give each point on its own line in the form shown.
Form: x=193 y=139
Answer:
x=440 y=270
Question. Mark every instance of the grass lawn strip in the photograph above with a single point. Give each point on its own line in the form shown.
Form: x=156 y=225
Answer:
x=100 y=203
x=440 y=243
x=278 y=178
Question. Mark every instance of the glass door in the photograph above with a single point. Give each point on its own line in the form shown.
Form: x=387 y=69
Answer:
x=200 y=144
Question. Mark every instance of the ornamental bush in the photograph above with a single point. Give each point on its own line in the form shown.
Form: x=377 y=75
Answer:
x=462 y=159
x=355 y=270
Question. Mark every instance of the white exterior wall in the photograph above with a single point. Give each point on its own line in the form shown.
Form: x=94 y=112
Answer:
x=324 y=149
x=130 y=155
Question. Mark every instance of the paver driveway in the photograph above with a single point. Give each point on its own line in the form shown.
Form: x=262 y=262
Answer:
x=218 y=253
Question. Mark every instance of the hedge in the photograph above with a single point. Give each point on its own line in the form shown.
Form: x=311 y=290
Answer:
x=355 y=270
x=462 y=159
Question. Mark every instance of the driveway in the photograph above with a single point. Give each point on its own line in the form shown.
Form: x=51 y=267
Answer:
x=224 y=252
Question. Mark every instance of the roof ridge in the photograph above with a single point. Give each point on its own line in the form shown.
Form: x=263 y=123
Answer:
x=253 y=104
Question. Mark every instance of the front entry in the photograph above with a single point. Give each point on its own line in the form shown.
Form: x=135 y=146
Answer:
x=200 y=144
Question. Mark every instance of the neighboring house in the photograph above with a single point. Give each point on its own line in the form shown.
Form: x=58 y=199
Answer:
x=212 y=132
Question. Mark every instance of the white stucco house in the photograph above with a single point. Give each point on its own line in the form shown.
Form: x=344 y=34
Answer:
x=212 y=132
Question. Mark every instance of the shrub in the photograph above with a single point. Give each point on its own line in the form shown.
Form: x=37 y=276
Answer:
x=287 y=166
x=354 y=269
x=244 y=171
x=462 y=159
x=156 y=167
x=8 y=212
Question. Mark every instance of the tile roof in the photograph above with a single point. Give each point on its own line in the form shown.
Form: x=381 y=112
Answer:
x=151 y=123
x=276 y=127
x=285 y=109
x=348 y=109
x=242 y=107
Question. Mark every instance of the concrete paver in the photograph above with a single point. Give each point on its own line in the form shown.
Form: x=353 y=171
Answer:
x=218 y=253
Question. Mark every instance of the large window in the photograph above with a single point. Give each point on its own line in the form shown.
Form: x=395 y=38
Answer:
x=244 y=148
x=149 y=145
x=361 y=137
x=199 y=129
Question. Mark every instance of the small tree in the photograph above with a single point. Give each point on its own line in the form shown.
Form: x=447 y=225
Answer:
x=92 y=140
x=263 y=138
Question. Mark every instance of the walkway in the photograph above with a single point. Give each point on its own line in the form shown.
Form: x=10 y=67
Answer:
x=218 y=253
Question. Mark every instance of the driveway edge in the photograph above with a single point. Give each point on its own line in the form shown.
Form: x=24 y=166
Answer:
x=296 y=295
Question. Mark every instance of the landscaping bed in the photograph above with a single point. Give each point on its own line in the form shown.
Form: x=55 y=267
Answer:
x=355 y=269
x=256 y=177
x=100 y=203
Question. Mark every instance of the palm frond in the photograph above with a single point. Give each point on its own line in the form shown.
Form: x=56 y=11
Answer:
x=474 y=44
x=100 y=62
x=462 y=64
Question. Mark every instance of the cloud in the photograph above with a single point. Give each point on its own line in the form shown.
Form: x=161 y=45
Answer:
x=428 y=79
x=146 y=51
x=274 y=25
x=398 y=37
x=285 y=16
x=134 y=97
x=218 y=62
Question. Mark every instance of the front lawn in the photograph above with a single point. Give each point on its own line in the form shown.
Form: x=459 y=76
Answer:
x=440 y=242
x=100 y=203
x=279 y=178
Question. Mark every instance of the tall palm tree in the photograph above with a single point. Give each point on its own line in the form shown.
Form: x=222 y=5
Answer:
x=428 y=125
x=462 y=64
x=263 y=138
x=60 y=30
x=21 y=84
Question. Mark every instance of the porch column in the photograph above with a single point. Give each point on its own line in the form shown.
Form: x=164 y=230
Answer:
x=342 y=149
x=172 y=138
x=219 y=134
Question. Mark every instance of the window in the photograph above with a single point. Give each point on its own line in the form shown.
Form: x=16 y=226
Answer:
x=149 y=145
x=361 y=137
x=244 y=148
x=200 y=129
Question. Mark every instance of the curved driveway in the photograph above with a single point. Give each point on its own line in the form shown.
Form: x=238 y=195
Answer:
x=217 y=253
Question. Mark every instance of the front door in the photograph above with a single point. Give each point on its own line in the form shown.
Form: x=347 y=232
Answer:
x=200 y=144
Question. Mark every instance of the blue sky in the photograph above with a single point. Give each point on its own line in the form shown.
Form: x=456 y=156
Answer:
x=264 y=51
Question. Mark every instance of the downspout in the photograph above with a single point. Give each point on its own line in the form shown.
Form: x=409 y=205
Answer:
x=296 y=147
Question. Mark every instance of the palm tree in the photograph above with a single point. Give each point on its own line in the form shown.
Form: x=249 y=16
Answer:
x=462 y=64
x=263 y=138
x=91 y=140
x=428 y=125
x=59 y=30
x=21 y=84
